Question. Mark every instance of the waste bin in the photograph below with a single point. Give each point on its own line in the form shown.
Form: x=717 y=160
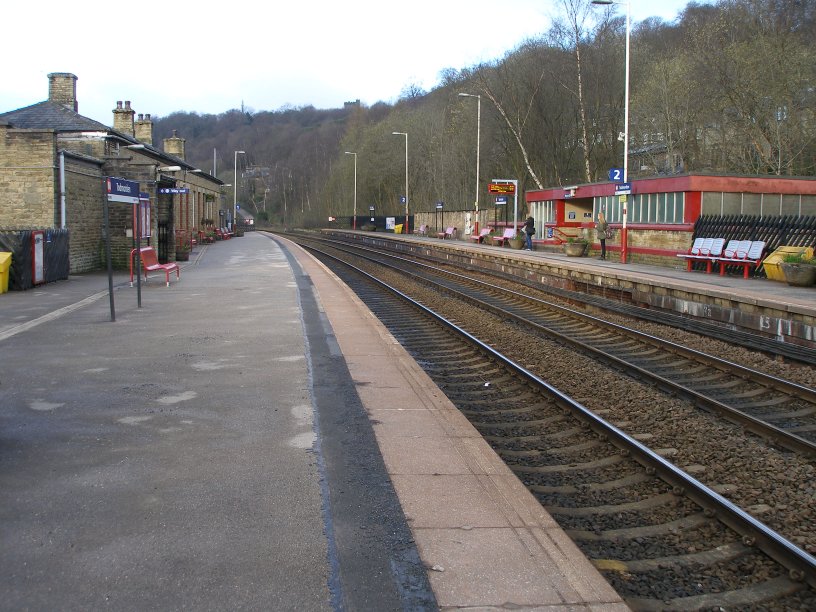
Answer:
x=398 y=228
x=5 y=266
x=773 y=269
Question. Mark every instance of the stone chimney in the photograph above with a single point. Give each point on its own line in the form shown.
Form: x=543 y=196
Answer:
x=174 y=145
x=62 y=89
x=123 y=118
x=144 y=129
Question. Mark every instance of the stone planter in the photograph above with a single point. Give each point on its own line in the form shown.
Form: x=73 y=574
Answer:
x=182 y=255
x=799 y=275
x=575 y=249
x=516 y=243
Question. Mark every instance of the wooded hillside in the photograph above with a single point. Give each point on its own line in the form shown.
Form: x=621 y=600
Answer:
x=728 y=88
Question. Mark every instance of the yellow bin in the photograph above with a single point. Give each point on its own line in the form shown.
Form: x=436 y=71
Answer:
x=398 y=228
x=5 y=266
x=773 y=269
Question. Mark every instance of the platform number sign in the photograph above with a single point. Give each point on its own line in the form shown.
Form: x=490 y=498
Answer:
x=616 y=175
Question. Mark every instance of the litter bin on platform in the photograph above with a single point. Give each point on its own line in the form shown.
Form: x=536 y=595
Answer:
x=772 y=263
x=5 y=266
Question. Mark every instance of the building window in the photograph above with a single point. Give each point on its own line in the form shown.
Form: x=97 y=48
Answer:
x=654 y=208
x=543 y=212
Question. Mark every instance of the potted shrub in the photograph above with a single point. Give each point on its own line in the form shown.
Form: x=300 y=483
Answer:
x=517 y=242
x=575 y=247
x=798 y=271
x=182 y=252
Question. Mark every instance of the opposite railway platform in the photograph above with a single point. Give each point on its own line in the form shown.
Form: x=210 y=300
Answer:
x=251 y=437
x=756 y=305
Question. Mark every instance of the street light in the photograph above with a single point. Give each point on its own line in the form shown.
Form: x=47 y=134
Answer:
x=235 y=190
x=624 y=236
x=354 y=218
x=478 y=141
x=406 y=176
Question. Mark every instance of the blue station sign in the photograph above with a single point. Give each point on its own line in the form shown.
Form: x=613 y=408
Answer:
x=174 y=190
x=122 y=190
x=616 y=175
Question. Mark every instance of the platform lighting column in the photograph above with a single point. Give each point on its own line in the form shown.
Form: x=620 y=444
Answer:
x=624 y=236
x=354 y=218
x=478 y=146
x=406 y=176
x=235 y=191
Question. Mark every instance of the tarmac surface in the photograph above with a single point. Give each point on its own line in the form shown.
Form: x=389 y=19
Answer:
x=250 y=438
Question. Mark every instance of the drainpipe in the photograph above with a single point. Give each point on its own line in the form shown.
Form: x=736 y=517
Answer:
x=62 y=189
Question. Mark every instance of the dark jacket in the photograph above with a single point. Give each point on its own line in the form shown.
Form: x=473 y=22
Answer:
x=529 y=226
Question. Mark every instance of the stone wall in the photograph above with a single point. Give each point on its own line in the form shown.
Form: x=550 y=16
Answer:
x=28 y=178
x=83 y=213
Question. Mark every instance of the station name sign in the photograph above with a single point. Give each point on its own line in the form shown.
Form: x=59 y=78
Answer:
x=501 y=188
x=121 y=190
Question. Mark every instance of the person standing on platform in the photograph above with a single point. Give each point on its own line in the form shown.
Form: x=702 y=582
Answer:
x=602 y=228
x=529 y=231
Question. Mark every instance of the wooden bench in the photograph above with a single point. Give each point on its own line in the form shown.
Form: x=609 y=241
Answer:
x=704 y=249
x=422 y=231
x=479 y=238
x=150 y=263
x=448 y=233
x=746 y=254
x=509 y=233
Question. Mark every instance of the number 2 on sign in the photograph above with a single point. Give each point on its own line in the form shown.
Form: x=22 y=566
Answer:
x=616 y=174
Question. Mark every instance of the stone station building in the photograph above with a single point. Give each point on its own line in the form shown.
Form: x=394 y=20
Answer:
x=53 y=165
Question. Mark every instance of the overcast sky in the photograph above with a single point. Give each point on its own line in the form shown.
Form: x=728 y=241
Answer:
x=210 y=57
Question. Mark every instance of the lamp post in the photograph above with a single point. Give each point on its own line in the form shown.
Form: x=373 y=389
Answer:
x=478 y=143
x=406 y=175
x=235 y=189
x=624 y=236
x=354 y=218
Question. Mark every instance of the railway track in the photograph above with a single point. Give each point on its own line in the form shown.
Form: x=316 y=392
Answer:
x=777 y=410
x=603 y=298
x=661 y=537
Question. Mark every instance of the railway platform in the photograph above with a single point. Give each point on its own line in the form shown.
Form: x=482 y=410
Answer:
x=251 y=437
x=757 y=305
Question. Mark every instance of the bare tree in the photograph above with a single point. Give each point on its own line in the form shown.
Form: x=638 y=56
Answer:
x=521 y=111
x=571 y=35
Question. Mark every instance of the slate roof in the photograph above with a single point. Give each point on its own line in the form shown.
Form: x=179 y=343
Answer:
x=51 y=116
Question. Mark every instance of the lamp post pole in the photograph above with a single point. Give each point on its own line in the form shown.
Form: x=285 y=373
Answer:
x=624 y=232
x=235 y=191
x=406 y=176
x=354 y=218
x=478 y=147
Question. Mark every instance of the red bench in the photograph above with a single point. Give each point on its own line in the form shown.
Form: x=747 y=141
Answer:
x=509 y=233
x=708 y=250
x=479 y=238
x=150 y=263
x=422 y=231
x=746 y=254
x=448 y=233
